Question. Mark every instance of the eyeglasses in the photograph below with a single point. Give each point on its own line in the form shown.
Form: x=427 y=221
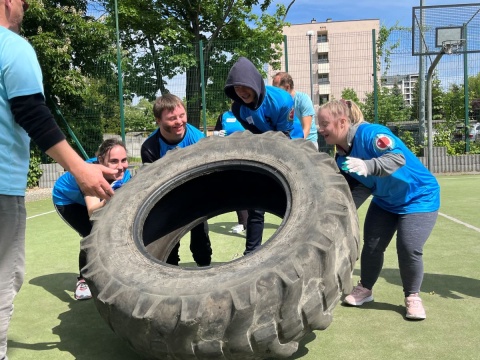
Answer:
x=25 y=5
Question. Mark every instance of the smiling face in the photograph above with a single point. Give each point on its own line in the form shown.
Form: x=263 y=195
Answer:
x=115 y=159
x=172 y=123
x=333 y=129
x=245 y=93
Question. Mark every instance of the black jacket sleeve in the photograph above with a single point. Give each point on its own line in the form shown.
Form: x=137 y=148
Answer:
x=33 y=115
x=150 y=150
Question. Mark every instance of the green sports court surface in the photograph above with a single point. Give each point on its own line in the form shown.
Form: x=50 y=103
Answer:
x=48 y=324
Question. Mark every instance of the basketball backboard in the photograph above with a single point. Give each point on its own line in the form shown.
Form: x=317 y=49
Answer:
x=453 y=28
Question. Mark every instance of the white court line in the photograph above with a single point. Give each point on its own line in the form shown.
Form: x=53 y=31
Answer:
x=441 y=214
x=34 y=216
x=459 y=222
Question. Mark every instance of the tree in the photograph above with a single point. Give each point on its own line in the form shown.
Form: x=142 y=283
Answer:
x=474 y=96
x=454 y=103
x=474 y=86
x=437 y=100
x=350 y=94
x=71 y=46
x=391 y=106
x=162 y=40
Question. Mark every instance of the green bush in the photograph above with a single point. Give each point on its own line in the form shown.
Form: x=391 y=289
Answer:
x=34 y=171
x=409 y=141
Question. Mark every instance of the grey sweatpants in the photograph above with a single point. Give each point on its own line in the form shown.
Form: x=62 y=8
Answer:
x=12 y=259
x=412 y=230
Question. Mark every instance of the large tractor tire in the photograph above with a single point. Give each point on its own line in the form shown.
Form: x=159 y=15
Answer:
x=255 y=307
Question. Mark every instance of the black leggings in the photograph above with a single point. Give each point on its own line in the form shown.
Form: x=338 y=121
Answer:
x=412 y=230
x=255 y=224
x=76 y=216
x=199 y=246
x=242 y=216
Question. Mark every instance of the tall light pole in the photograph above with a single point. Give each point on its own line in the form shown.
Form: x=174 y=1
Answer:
x=310 y=33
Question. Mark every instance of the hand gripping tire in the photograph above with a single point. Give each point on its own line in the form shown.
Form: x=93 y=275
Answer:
x=255 y=307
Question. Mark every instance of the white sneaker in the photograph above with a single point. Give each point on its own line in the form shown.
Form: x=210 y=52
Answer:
x=82 y=291
x=237 y=229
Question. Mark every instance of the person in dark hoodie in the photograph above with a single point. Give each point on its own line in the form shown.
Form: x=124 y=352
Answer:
x=259 y=109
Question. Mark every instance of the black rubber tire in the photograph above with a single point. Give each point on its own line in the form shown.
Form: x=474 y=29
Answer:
x=255 y=307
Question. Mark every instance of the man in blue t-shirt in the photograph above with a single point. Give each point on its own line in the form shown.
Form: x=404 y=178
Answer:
x=259 y=109
x=174 y=132
x=304 y=109
x=24 y=116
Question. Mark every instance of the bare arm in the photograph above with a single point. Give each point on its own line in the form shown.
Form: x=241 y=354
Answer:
x=306 y=125
x=88 y=176
x=93 y=203
x=32 y=114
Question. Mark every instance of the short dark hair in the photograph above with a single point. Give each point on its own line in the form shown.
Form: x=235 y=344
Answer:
x=285 y=79
x=166 y=102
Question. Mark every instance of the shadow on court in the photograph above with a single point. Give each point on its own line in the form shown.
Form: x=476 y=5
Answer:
x=444 y=285
x=82 y=331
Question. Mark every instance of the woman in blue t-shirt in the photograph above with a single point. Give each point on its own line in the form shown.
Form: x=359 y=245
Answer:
x=75 y=208
x=405 y=198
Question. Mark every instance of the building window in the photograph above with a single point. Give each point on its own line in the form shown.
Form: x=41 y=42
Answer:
x=322 y=38
x=323 y=58
x=323 y=99
x=323 y=79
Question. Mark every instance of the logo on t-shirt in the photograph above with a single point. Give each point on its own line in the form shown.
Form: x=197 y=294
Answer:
x=383 y=142
x=291 y=114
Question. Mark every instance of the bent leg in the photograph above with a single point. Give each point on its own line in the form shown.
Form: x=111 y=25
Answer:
x=76 y=216
x=255 y=224
x=413 y=232
x=242 y=217
x=379 y=228
x=200 y=245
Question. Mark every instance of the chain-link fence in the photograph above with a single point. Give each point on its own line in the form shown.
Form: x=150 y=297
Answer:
x=355 y=62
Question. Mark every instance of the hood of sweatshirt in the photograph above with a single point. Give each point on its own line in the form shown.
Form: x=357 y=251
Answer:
x=244 y=73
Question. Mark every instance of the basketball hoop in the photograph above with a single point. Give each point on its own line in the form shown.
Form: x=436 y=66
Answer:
x=452 y=46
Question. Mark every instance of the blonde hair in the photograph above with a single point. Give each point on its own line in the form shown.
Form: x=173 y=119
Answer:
x=344 y=107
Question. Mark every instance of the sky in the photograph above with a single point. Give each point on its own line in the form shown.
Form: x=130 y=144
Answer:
x=389 y=12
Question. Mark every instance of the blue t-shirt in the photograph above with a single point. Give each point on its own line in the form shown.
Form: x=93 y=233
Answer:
x=66 y=190
x=230 y=123
x=20 y=75
x=304 y=107
x=192 y=136
x=410 y=189
x=276 y=113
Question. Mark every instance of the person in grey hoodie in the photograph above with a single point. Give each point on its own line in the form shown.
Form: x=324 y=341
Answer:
x=259 y=108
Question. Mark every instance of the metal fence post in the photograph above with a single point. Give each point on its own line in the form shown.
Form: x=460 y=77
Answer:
x=120 y=76
x=375 y=84
x=465 y=90
x=202 y=85
x=285 y=51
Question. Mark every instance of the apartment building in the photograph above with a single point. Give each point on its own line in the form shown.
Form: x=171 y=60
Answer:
x=324 y=58
x=405 y=83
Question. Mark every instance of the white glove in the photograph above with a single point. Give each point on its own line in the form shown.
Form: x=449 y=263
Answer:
x=355 y=165
x=220 y=133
